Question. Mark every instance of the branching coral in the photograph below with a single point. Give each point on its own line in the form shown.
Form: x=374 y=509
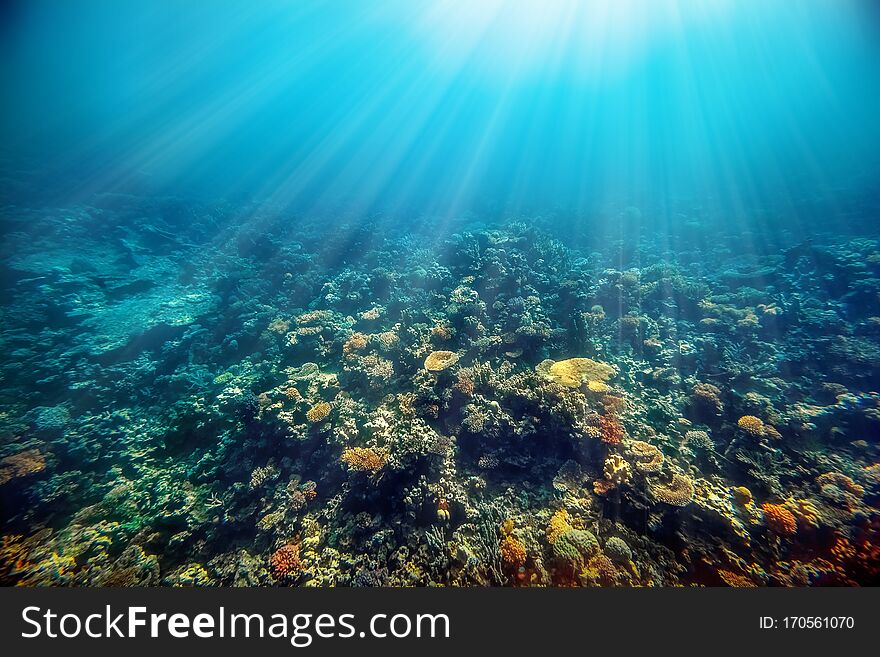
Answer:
x=611 y=430
x=560 y=522
x=751 y=425
x=364 y=459
x=513 y=552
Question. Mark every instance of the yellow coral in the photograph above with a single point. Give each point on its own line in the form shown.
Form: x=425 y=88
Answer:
x=513 y=552
x=318 y=412
x=751 y=424
x=560 y=522
x=599 y=387
x=364 y=459
x=574 y=372
x=742 y=496
x=616 y=470
x=440 y=360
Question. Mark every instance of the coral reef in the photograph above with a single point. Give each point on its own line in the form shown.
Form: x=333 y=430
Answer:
x=258 y=404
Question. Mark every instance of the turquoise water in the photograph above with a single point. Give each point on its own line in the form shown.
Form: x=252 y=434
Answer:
x=461 y=293
x=440 y=107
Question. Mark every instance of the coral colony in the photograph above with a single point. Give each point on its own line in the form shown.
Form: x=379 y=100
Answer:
x=225 y=404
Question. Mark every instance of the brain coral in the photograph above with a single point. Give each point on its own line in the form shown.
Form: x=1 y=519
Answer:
x=575 y=372
x=617 y=550
x=575 y=547
x=318 y=412
x=440 y=360
x=678 y=492
x=779 y=520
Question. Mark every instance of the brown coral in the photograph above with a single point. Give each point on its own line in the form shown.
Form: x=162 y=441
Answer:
x=842 y=482
x=678 y=492
x=318 y=412
x=779 y=520
x=364 y=459
x=438 y=361
x=21 y=464
x=285 y=562
x=611 y=430
x=646 y=456
x=356 y=342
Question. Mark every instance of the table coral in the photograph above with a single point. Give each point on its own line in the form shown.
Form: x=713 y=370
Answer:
x=677 y=492
x=437 y=361
x=574 y=372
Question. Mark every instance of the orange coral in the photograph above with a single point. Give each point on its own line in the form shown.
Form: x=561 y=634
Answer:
x=779 y=520
x=751 y=425
x=364 y=459
x=611 y=430
x=513 y=553
x=285 y=563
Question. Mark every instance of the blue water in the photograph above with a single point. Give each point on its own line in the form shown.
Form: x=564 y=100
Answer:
x=442 y=107
x=461 y=292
